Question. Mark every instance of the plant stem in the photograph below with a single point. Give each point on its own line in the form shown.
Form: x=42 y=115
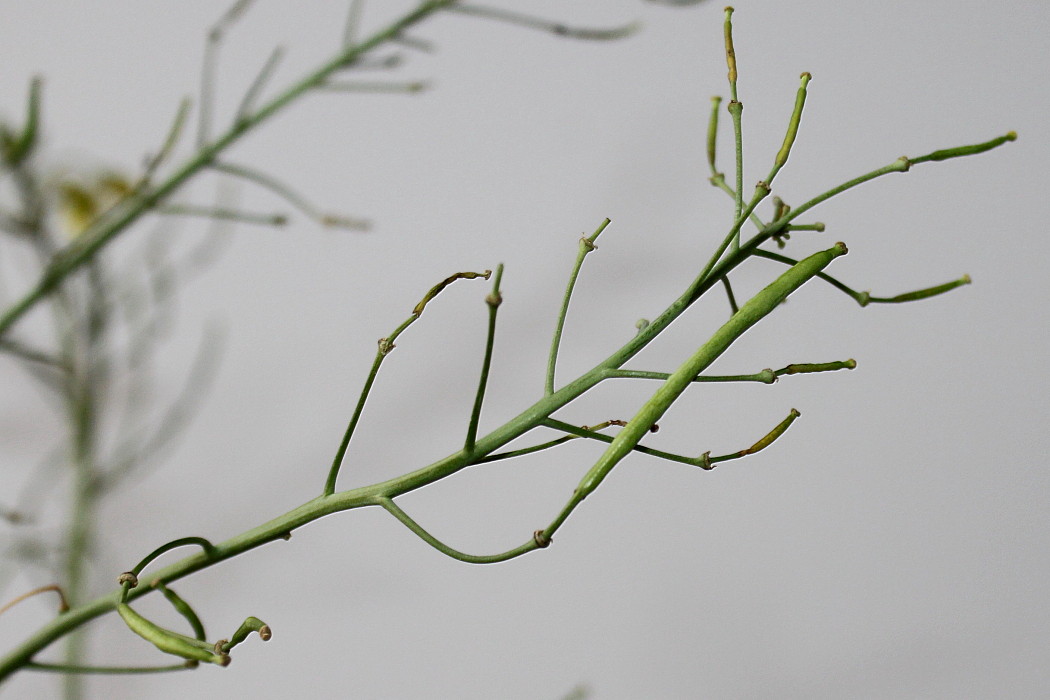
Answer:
x=586 y=246
x=493 y=300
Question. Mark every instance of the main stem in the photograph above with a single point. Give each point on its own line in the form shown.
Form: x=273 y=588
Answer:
x=281 y=527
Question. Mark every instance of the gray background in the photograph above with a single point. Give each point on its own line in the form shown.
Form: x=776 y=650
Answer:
x=893 y=545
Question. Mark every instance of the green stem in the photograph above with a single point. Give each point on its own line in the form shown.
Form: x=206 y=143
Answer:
x=493 y=300
x=586 y=246
x=106 y=670
x=437 y=544
x=386 y=345
x=736 y=110
x=865 y=298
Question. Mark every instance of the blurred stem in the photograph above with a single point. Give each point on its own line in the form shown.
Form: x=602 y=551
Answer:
x=79 y=533
x=107 y=228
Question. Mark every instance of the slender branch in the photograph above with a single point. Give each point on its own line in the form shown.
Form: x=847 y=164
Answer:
x=386 y=345
x=291 y=196
x=265 y=73
x=106 y=670
x=210 y=63
x=63 y=604
x=29 y=354
x=166 y=148
x=493 y=301
x=353 y=21
x=865 y=298
x=718 y=179
x=440 y=546
x=586 y=246
x=733 y=308
x=545 y=25
x=204 y=544
x=223 y=214
x=408 y=88
x=525 y=450
x=601 y=437
x=736 y=110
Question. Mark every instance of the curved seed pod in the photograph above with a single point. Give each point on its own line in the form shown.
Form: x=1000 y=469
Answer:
x=251 y=624
x=167 y=641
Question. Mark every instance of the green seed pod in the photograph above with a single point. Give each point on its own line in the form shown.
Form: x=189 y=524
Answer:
x=252 y=624
x=167 y=641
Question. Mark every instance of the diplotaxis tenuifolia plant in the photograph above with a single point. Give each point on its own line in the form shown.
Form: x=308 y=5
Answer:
x=761 y=228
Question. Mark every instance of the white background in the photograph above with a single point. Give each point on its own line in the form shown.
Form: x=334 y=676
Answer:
x=894 y=544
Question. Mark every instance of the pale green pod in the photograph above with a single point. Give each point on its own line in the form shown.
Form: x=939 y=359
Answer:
x=252 y=624
x=167 y=641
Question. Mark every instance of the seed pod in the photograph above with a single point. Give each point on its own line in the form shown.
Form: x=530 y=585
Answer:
x=167 y=641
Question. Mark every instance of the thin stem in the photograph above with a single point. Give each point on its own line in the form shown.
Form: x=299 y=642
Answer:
x=201 y=542
x=223 y=214
x=601 y=437
x=265 y=73
x=210 y=63
x=900 y=165
x=440 y=546
x=106 y=670
x=166 y=148
x=766 y=376
x=493 y=301
x=729 y=293
x=353 y=22
x=586 y=246
x=29 y=354
x=545 y=25
x=718 y=179
x=63 y=604
x=865 y=298
x=386 y=345
x=288 y=194
x=736 y=109
x=525 y=450
x=386 y=88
